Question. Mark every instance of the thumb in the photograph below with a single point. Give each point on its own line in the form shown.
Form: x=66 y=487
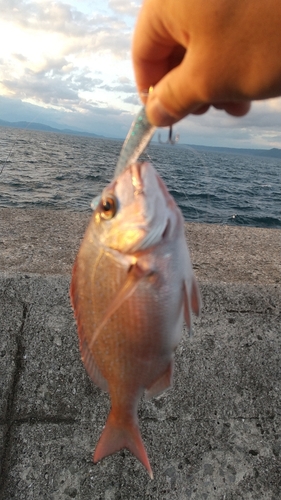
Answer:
x=174 y=97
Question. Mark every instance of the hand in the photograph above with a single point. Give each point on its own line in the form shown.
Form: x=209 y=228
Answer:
x=197 y=53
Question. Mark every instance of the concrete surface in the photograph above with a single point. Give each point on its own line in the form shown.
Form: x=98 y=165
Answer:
x=215 y=435
x=46 y=242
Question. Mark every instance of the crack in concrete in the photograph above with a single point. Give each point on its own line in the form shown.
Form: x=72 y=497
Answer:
x=250 y=311
x=11 y=402
x=36 y=419
x=33 y=420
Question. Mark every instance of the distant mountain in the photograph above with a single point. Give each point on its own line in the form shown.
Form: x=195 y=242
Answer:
x=273 y=153
x=45 y=128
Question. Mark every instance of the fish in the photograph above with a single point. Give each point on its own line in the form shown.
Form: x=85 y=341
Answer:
x=132 y=288
x=138 y=137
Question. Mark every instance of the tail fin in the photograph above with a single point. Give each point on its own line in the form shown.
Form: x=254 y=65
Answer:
x=116 y=436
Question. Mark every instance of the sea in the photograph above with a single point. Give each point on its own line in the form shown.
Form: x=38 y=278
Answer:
x=45 y=170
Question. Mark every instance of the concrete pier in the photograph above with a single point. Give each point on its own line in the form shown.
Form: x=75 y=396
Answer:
x=215 y=435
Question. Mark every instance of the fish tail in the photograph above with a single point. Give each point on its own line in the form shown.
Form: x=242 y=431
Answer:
x=117 y=435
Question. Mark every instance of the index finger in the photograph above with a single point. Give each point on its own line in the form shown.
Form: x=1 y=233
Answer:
x=154 y=52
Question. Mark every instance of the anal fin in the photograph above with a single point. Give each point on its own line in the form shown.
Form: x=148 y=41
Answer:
x=162 y=383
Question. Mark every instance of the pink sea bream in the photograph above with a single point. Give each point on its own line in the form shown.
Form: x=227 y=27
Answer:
x=132 y=287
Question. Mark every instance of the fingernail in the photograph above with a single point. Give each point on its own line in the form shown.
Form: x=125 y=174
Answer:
x=157 y=114
x=145 y=93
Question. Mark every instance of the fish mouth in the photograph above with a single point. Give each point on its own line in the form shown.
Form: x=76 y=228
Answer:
x=155 y=233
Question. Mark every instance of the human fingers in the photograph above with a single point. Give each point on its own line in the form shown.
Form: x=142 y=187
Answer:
x=155 y=51
x=160 y=59
x=186 y=89
x=175 y=96
x=232 y=108
x=179 y=102
x=235 y=108
x=161 y=117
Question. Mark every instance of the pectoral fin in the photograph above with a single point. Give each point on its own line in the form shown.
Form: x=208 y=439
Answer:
x=196 y=302
x=191 y=303
x=135 y=274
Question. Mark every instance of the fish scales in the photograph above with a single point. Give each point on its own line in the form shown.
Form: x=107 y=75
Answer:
x=132 y=286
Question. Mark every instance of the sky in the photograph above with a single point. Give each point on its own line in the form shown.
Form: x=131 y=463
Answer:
x=68 y=64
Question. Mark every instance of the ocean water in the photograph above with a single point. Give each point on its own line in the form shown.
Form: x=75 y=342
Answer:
x=56 y=171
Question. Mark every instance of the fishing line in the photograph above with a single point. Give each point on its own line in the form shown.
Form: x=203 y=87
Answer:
x=5 y=163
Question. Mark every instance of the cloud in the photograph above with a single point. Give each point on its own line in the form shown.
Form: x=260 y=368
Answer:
x=19 y=57
x=262 y=115
x=109 y=39
x=52 y=85
x=126 y=88
x=57 y=51
x=259 y=128
x=43 y=15
x=58 y=16
x=123 y=79
x=81 y=32
x=107 y=121
x=133 y=99
x=54 y=16
x=85 y=82
x=59 y=27
x=125 y=7
x=49 y=90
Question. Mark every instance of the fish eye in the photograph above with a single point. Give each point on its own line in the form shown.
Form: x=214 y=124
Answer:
x=108 y=207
